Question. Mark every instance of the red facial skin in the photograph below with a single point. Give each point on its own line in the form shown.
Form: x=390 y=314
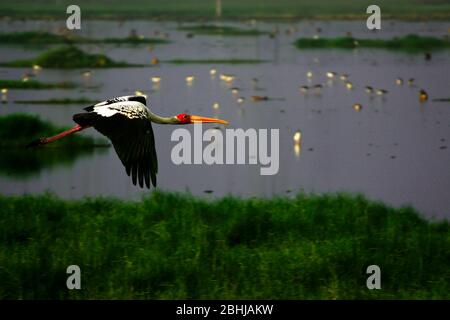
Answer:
x=184 y=118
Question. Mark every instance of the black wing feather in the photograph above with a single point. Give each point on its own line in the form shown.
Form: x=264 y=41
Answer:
x=134 y=142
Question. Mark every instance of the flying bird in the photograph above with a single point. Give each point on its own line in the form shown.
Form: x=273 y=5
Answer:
x=127 y=122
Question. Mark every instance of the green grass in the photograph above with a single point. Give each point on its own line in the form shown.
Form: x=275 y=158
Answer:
x=68 y=57
x=39 y=37
x=215 y=61
x=172 y=246
x=18 y=129
x=213 y=30
x=34 y=84
x=58 y=101
x=194 y=9
x=407 y=43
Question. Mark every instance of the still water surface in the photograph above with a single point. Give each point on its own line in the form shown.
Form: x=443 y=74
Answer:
x=395 y=149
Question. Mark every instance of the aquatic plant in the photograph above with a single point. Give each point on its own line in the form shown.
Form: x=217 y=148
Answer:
x=68 y=57
x=34 y=84
x=41 y=37
x=407 y=43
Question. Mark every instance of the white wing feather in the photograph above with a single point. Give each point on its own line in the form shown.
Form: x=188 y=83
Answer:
x=130 y=109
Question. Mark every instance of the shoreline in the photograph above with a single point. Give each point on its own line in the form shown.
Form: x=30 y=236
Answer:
x=441 y=17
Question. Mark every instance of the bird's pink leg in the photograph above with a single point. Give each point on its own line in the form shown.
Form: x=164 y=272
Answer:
x=63 y=134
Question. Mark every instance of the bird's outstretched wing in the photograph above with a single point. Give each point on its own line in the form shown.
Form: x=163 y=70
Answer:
x=131 y=134
x=134 y=143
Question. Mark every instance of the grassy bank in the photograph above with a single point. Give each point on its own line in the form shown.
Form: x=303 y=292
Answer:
x=18 y=129
x=39 y=37
x=177 y=246
x=68 y=57
x=34 y=84
x=213 y=30
x=407 y=43
x=193 y=9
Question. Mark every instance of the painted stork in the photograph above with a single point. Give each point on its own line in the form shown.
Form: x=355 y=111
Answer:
x=126 y=121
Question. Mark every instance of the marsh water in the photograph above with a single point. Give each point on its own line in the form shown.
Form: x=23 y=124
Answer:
x=395 y=149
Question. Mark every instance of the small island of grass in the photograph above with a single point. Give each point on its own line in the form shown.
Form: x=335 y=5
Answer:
x=19 y=129
x=69 y=57
x=213 y=30
x=34 y=84
x=40 y=37
x=407 y=43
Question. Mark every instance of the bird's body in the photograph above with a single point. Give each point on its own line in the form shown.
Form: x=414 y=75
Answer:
x=190 y=79
x=304 y=89
x=357 y=107
x=127 y=122
x=331 y=75
x=349 y=85
x=423 y=96
x=234 y=90
x=154 y=61
x=318 y=88
x=259 y=98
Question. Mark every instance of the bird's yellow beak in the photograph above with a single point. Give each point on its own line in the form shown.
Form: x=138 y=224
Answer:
x=200 y=119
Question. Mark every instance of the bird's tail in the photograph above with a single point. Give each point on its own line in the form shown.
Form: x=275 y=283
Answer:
x=43 y=141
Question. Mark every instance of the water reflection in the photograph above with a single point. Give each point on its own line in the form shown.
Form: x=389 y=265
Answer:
x=23 y=164
x=297 y=150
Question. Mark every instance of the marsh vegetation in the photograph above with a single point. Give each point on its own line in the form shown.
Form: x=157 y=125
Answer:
x=175 y=246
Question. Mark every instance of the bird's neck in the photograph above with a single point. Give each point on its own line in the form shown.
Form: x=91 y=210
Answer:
x=161 y=120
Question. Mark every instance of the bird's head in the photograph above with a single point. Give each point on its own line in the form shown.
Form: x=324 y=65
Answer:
x=184 y=118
